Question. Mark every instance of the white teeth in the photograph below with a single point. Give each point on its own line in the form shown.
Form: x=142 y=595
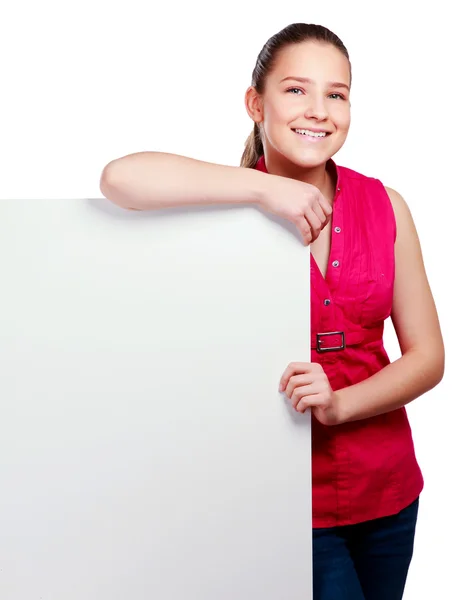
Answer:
x=311 y=133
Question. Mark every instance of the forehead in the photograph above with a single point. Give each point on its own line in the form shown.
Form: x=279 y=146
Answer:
x=318 y=61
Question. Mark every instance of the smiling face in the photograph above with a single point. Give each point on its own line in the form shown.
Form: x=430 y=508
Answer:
x=304 y=111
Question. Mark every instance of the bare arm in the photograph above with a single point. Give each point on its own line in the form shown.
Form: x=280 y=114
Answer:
x=154 y=180
x=415 y=320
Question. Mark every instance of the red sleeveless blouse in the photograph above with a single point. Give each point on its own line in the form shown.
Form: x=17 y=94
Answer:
x=365 y=469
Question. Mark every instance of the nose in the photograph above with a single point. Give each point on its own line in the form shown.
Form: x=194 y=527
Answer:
x=315 y=108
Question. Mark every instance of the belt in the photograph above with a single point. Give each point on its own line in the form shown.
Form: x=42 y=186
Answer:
x=331 y=341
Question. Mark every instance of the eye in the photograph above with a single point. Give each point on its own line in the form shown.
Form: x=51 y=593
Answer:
x=338 y=96
x=295 y=90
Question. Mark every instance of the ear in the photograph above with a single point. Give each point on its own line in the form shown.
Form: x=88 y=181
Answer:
x=254 y=105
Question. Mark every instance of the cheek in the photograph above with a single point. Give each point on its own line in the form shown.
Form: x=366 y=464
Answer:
x=275 y=116
x=342 y=118
x=275 y=124
x=281 y=110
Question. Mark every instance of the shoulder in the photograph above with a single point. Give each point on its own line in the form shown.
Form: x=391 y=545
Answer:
x=360 y=180
x=374 y=185
x=397 y=200
x=400 y=207
x=405 y=227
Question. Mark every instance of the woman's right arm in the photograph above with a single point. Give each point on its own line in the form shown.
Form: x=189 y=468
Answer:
x=154 y=180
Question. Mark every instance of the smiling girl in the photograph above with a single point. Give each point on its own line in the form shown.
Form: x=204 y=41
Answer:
x=366 y=266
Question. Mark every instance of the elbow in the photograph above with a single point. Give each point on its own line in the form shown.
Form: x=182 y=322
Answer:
x=119 y=184
x=434 y=367
x=438 y=362
x=438 y=369
x=129 y=182
x=111 y=184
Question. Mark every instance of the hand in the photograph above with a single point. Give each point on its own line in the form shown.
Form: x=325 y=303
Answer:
x=301 y=203
x=307 y=386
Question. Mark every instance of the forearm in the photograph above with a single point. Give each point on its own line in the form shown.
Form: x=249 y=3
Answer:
x=394 y=386
x=154 y=180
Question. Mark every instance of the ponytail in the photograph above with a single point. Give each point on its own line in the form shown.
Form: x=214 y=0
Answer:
x=253 y=150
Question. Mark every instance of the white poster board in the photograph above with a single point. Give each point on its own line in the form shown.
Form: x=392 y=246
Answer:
x=145 y=452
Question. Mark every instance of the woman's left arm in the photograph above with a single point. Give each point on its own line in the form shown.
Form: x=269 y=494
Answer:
x=415 y=319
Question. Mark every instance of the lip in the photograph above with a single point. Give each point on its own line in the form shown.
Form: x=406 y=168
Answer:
x=309 y=139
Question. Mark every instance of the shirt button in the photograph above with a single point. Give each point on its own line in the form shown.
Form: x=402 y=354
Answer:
x=338 y=229
x=335 y=263
x=327 y=301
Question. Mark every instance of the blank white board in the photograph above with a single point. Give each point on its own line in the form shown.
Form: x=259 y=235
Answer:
x=145 y=451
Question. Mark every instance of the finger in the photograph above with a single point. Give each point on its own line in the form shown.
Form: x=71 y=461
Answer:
x=323 y=218
x=299 y=394
x=309 y=402
x=307 y=238
x=311 y=389
x=305 y=391
x=315 y=388
x=315 y=367
x=304 y=229
x=298 y=381
x=325 y=205
x=293 y=369
x=300 y=368
x=314 y=222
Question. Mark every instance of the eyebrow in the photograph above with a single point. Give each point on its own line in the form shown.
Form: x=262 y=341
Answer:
x=335 y=84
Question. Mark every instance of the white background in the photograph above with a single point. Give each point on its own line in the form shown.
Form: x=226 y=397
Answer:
x=88 y=82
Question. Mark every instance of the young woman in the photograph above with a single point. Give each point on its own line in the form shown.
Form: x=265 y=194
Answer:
x=366 y=265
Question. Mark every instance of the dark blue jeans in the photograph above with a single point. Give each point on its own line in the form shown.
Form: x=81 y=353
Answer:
x=367 y=561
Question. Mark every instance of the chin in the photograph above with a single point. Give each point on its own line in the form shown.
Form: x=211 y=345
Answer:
x=288 y=153
x=311 y=157
x=307 y=160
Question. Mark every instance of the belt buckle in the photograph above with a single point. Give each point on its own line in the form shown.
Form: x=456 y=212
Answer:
x=330 y=348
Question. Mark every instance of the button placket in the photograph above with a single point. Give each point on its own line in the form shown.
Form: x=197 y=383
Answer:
x=328 y=317
x=336 y=250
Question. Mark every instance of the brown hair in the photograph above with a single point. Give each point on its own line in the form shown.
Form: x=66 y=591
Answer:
x=292 y=34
